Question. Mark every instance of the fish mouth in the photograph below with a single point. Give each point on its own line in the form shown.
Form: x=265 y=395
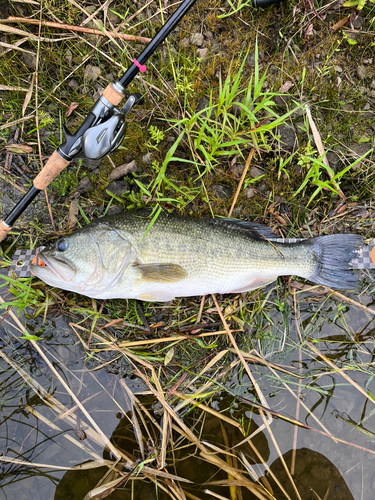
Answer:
x=52 y=270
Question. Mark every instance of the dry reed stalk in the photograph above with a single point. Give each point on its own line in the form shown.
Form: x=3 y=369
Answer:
x=353 y=302
x=340 y=371
x=23 y=191
x=191 y=496
x=215 y=495
x=248 y=161
x=266 y=421
x=303 y=404
x=169 y=339
x=4 y=458
x=81 y=29
x=264 y=463
x=207 y=409
x=228 y=458
x=16 y=122
x=320 y=147
x=13 y=89
x=239 y=354
x=255 y=358
x=68 y=437
x=36 y=346
x=258 y=490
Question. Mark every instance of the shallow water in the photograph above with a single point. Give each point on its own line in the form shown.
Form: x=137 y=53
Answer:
x=31 y=431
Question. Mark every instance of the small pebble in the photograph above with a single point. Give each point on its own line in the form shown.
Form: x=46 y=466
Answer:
x=147 y=158
x=362 y=71
x=84 y=185
x=202 y=53
x=117 y=187
x=197 y=39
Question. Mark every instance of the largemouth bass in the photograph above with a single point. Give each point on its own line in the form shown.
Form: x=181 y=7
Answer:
x=117 y=257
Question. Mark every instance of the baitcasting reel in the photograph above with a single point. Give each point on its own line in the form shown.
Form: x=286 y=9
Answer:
x=102 y=139
x=102 y=131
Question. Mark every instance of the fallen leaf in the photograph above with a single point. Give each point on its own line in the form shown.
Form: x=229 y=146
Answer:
x=91 y=73
x=73 y=212
x=72 y=107
x=286 y=86
x=28 y=95
x=169 y=356
x=18 y=148
x=309 y=31
x=340 y=23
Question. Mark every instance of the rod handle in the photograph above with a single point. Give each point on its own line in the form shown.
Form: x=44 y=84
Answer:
x=51 y=169
x=4 y=230
x=112 y=95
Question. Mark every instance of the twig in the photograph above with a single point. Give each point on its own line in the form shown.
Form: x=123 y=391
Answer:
x=13 y=184
x=82 y=29
x=248 y=161
x=351 y=301
x=201 y=309
x=16 y=122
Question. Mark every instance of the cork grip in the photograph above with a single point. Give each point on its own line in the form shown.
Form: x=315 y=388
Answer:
x=4 y=230
x=112 y=95
x=51 y=169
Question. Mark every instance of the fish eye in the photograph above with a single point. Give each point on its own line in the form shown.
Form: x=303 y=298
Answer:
x=62 y=245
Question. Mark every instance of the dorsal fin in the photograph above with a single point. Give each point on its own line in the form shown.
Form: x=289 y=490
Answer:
x=256 y=230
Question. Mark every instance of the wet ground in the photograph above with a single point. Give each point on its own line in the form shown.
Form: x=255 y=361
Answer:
x=42 y=426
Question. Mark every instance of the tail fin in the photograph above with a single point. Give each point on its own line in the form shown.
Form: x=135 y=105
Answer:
x=333 y=255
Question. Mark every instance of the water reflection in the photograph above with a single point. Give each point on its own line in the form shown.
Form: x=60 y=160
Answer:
x=183 y=462
x=315 y=477
x=34 y=433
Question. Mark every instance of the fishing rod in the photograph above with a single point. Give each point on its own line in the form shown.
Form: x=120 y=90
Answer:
x=104 y=127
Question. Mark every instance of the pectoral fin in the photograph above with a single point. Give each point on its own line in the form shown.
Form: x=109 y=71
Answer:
x=162 y=273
